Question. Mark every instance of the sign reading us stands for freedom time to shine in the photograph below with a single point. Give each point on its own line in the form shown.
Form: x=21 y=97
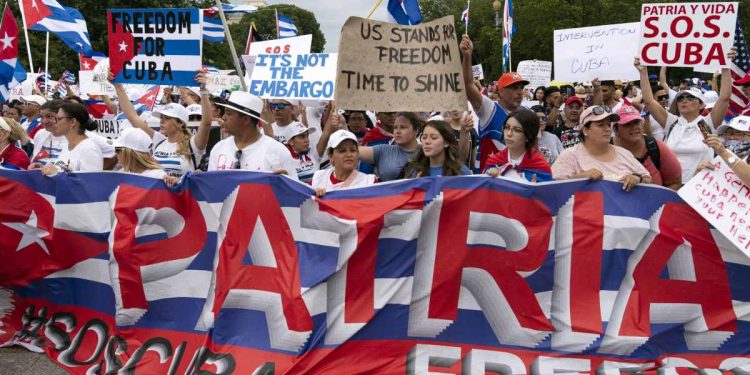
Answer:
x=687 y=34
x=309 y=76
x=388 y=67
x=158 y=46
x=250 y=273
x=604 y=52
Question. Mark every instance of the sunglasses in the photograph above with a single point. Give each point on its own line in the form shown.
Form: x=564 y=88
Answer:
x=237 y=157
x=683 y=98
x=601 y=109
x=662 y=97
x=279 y=106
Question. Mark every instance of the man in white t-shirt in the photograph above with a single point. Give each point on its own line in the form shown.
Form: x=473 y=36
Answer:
x=283 y=113
x=246 y=148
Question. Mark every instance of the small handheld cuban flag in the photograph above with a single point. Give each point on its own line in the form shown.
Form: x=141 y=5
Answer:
x=286 y=27
x=213 y=29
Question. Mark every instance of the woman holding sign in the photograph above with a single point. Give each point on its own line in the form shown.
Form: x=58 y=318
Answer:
x=684 y=127
x=175 y=149
x=734 y=148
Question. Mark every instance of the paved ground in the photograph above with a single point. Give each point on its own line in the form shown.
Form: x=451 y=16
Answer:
x=19 y=361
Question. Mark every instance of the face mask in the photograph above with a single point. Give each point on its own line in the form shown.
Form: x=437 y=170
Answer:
x=739 y=148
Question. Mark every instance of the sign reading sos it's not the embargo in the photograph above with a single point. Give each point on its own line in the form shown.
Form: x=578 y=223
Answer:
x=687 y=34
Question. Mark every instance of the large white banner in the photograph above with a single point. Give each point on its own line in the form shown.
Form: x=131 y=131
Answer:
x=604 y=52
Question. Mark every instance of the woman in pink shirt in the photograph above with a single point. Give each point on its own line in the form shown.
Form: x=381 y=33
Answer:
x=595 y=157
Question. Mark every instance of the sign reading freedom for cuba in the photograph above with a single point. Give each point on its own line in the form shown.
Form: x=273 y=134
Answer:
x=388 y=67
x=250 y=273
x=303 y=77
x=156 y=46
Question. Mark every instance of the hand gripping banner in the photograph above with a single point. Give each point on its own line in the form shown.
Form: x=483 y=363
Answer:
x=238 y=273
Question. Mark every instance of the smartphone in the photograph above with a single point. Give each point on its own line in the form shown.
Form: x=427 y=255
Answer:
x=704 y=129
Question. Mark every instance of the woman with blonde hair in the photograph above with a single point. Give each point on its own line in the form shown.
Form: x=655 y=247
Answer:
x=134 y=154
x=11 y=157
x=438 y=155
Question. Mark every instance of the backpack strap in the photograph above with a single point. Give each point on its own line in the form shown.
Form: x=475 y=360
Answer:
x=652 y=150
x=671 y=127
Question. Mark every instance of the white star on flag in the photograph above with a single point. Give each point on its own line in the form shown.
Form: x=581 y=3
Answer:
x=86 y=65
x=123 y=46
x=7 y=41
x=33 y=5
x=31 y=233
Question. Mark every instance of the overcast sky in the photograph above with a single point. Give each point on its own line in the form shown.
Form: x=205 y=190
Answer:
x=331 y=15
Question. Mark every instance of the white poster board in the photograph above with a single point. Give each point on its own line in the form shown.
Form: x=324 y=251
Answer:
x=295 y=45
x=220 y=82
x=687 y=34
x=309 y=76
x=25 y=88
x=477 y=71
x=537 y=72
x=94 y=82
x=604 y=52
x=721 y=198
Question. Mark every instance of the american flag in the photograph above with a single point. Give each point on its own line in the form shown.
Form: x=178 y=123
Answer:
x=740 y=67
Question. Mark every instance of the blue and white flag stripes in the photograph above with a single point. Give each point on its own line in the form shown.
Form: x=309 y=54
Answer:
x=213 y=30
x=234 y=9
x=67 y=23
x=508 y=30
x=405 y=12
x=286 y=27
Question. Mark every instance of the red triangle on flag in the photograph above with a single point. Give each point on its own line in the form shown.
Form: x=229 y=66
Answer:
x=120 y=46
x=34 y=11
x=8 y=36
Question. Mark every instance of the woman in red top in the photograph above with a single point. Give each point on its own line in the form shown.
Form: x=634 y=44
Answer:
x=11 y=157
x=520 y=159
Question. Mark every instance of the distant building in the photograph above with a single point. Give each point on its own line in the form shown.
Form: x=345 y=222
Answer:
x=235 y=18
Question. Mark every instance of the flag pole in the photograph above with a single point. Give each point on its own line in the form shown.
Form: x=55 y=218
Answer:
x=468 y=10
x=276 y=12
x=228 y=34
x=373 y=9
x=26 y=34
x=46 y=68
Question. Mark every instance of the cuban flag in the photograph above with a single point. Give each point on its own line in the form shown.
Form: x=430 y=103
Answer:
x=145 y=103
x=213 y=29
x=69 y=77
x=89 y=63
x=286 y=27
x=67 y=23
x=405 y=12
x=210 y=69
x=231 y=9
x=508 y=29
x=9 y=62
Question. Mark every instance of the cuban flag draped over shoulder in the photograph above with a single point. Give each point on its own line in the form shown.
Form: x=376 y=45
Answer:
x=405 y=12
x=67 y=23
x=9 y=62
x=213 y=28
x=286 y=27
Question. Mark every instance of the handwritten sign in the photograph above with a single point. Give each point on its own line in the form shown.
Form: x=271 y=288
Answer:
x=308 y=76
x=94 y=82
x=295 y=45
x=220 y=82
x=477 y=71
x=687 y=34
x=158 y=46
x=538 y=73
x=390 y=67
x=723 y=200
x=604 y=52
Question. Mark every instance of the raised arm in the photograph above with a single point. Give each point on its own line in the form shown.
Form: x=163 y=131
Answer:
x=129 y=110
x=204 y=129
x=335 y=122
x=598 y=98
x=656 y=110
x=472 y=93
x=663 y=79
x=725 y=92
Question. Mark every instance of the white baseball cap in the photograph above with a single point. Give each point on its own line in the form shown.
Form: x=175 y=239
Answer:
x=339 y=136
x=195 y=110
x=711 y=98
x=244 y=102
x=694 y=93
x=134 y=139
x=298 y=128
x=741 y=123
x=172 y=110
x=38 y=99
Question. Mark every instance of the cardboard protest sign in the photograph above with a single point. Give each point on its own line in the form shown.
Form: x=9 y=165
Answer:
x=295 y=45
x=157 y=46
x=538 y=73
x=389 y=67
x=477 y=71
x=94 y=82
x=302 y=77
x=723 y=200
x=687 y=34
x=220 y=82
x=604 y=52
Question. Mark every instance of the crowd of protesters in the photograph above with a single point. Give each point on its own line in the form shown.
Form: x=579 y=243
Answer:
x=641 y=132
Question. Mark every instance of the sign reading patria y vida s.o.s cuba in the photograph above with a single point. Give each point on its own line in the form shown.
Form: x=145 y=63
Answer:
x=687 y=34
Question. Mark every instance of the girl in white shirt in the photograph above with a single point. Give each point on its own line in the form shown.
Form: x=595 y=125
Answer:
x=175 y=149
x=343 y=151
x=81 y=154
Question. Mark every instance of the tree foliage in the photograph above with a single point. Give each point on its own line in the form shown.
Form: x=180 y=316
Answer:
x=62 y=58
x=536 y=21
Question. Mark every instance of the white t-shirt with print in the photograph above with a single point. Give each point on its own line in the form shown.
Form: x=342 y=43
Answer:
x=322 y=179
x=85 y=157
x=307 y=164
x=263 y=155
x=47 y=147
x=175 y=164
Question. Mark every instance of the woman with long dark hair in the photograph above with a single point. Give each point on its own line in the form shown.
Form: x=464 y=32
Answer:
x=520 y=159
x=81 y=154
x=438 y=155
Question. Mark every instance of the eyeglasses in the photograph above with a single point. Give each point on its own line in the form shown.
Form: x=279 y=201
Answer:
x=662 y=97
x=517 y=130
x=600 y=110
x=279 y=106
x=683 y=98
x=238 y=157
x=58 y=118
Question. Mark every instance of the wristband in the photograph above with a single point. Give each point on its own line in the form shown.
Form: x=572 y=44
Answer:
x=640 y=178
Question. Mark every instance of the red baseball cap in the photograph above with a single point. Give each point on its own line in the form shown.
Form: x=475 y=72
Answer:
x=574 y=99
x=743 y=81
x=509 y=79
